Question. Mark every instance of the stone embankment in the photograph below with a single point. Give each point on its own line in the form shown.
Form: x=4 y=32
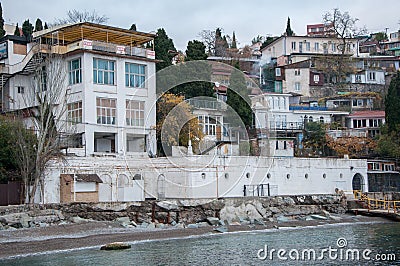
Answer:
x=178 y=213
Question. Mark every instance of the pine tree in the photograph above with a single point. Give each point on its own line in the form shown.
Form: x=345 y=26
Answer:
x=392 y=103
x=2 y=31
x=289 y=31
x=233 y=45
x=164 y=48
x=38 y=25
x=27 y=29
x=45 y=26
x=17 y=32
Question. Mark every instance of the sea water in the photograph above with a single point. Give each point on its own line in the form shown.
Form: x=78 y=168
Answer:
x=339 y=244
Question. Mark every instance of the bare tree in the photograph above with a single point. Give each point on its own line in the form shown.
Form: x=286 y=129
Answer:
x=208 y=38
x=75 y=16
x=343 y=27
x=46 y=115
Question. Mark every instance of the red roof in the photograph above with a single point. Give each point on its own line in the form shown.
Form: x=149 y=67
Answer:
x=368 y=114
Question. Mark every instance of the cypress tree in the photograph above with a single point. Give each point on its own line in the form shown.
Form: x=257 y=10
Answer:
x=289 y=31
x=38 y=25
x=392 y=103
x=2 y=31
x=45 y=26
x=233 y=45
x=17 y=32
x=133 y=27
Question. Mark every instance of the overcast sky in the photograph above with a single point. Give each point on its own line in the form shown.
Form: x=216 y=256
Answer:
x=184 y=19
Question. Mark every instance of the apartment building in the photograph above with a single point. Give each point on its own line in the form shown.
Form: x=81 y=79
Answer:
x=109 y=90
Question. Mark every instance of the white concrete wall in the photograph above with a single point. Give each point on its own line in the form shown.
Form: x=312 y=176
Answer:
x=211 y=176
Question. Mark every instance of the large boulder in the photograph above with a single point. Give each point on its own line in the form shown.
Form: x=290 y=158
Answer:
x=167 y=205
x=115 y=246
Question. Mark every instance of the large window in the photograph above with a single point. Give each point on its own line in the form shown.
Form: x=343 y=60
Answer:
x=106 y=111
x=135 y=75
x=293 y=45
x=209 y=124
x=75 y=71
x=134 y=113
x=74 y=111
x=103 y=71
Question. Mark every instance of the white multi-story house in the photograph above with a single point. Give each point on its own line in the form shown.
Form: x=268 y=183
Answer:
x=292 y=49
x=273 y=112
x=109 y=88
x=371 y=121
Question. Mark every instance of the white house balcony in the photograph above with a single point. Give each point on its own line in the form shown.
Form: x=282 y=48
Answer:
x=207 y=104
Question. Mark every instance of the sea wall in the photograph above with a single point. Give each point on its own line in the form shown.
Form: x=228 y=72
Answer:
x=205 y=177
x=182 y=211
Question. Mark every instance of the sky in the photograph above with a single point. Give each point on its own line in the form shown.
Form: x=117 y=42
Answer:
x=184 y=19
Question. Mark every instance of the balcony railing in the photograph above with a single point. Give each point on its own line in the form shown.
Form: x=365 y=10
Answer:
x=347 y=133
x=285 y=125
x=307 y=108
x=207 y=104
x=108 y=47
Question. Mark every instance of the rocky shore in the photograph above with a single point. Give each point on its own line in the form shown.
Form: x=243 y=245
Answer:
x=29 y=229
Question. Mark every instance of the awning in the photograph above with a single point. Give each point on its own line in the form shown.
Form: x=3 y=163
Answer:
x=71 y=33
x=81 y=178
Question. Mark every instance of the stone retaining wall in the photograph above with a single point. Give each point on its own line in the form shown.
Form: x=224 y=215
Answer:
x=181 y=211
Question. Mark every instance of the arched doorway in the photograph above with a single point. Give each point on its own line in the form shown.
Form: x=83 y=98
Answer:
x=358 y=182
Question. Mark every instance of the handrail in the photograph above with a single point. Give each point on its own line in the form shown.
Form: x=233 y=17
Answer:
x=378 y=204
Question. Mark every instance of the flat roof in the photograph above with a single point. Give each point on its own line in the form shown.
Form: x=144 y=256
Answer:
x=70 y=33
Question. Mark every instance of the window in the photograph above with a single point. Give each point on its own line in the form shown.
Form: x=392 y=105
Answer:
x=106 y=111
x=389 y=167
x=316 y=78
x=277 y=145
x=75 y=71
x=134 y=113
x=20 y=89
x=308 y=46
x=103 y=71
x=334 y=47
x=297 y=72
x=277 y=72
x=42 y=79
x=358 y=78
x=321 y=119
x=310 y=119
x=209 y=124
x=135 y=75
x=74 y=112
x=371 y=76
x=316 y=46
x=297 y=86
x=285 y=145
x=293 y=45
